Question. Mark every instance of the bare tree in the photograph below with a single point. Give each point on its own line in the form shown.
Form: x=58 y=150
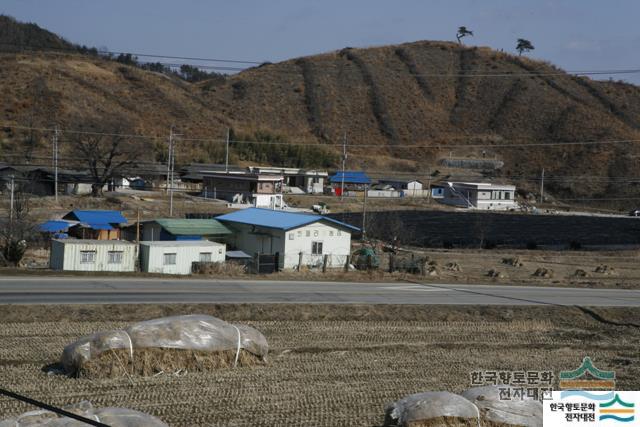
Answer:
x=17 y=226
x=105 y=149
x=524 y=45
x=463 y=32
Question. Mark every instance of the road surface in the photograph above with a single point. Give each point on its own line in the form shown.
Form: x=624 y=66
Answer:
x=91 y=290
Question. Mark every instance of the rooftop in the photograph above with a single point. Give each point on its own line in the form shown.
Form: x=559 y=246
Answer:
x=181 y=243
x=280 y=220
x=96 y=217
x=193 y=227
x=94 y=242
x=350 y=177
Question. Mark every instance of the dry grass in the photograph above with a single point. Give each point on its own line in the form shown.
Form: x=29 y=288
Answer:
x=328 y=365
x=379 y=97
x=115 y=363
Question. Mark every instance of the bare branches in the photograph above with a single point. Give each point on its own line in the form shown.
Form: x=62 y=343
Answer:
x=104 y=151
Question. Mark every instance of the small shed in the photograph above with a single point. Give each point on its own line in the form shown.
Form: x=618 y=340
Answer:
x=92 y=255
x=177 y=257
x=96 y=224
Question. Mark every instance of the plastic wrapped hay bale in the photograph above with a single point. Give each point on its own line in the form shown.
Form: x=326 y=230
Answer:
x=432 y=408
x=114 y=417
x=518 y=411
x=168 y=344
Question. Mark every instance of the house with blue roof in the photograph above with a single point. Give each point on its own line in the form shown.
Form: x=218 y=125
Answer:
x=95 y=224
x=297 y=239
x=352 y=181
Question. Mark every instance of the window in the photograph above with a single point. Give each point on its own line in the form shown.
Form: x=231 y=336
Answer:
x=291 y=236
x=316 y=248
x=299 y=233
x=170 y=259
x=339 y=233
x=87 y=257
x=204 y=257
x=331 y=233
x=115 y=257
x=308 y=233
x=507 y=195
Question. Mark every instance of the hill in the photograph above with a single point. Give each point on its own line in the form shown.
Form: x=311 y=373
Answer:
x=401 y=107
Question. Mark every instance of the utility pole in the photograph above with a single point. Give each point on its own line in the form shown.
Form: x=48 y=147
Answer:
x=344 y=161
x=138 y=227
x=169 y=158
x=171 y=168
x=11 y=202
x=226 y=157
x=55 y=163
x=542 y=187
x=364 y=212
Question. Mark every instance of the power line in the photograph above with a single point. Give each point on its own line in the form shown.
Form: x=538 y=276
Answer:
x=435 y=145
x=500 y=74
x=112 y=52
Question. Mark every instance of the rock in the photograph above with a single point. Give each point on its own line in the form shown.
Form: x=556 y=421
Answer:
x=496 y=274
x=453 y=266
x=543 y=272
x=514 y=262
x=604 y=269
x=580 y=273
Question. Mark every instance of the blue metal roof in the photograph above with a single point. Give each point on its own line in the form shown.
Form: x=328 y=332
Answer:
x=98 y=220
x=280 y=220
x=55 y=226
x=350 y=177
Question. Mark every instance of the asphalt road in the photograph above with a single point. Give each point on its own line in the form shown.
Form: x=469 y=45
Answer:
x=71 y=290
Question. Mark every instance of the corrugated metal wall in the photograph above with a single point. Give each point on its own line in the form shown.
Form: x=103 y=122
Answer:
x=152 y=256
x=67 y=256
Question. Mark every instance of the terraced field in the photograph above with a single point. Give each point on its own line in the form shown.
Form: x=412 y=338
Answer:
x=328 y=365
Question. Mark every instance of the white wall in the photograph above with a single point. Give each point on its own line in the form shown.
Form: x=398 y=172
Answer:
x=152 y=255
x=336 y=242
x=66 y=255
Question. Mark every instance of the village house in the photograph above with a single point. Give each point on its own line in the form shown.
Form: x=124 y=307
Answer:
x=485 y=196
x=92 y=255
x=95 y=224
x=296 y=180
x=254 y=189
x=40 y=180
x=297 y=239
x=178 y=257
x=352 y=181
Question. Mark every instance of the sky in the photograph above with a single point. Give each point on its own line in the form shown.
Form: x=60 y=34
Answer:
x=576 y=35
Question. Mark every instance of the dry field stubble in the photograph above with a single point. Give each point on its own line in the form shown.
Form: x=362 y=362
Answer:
x=328 y=365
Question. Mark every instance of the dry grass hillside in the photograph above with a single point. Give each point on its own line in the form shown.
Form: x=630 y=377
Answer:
x=396 y=100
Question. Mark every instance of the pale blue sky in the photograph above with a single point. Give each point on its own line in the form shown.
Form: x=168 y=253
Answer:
x=574 y=34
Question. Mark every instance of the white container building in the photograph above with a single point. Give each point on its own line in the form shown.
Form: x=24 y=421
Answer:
x=177 y=257
x=92 y=255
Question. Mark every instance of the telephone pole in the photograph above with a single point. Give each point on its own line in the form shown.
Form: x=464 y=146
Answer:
x=542 y=187
x=169 y=158
x=364 y=212
x=11 y=202
x=226 y=157
x=344 y=161
x=171 y=168
x=55 y=163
